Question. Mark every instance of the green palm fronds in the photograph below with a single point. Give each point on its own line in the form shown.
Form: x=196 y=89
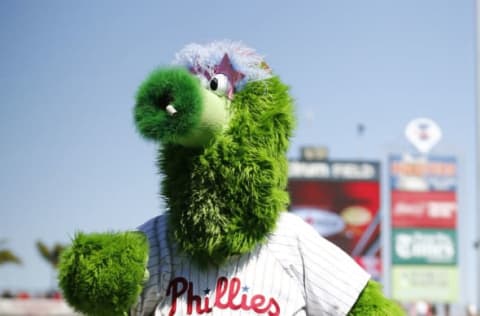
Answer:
x=51 y=255
x=7 y=256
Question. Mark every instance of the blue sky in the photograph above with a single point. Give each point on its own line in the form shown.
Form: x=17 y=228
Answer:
x=70 y=157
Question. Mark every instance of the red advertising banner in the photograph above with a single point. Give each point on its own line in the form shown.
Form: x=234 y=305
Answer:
x=436 y=209
x=341 y=199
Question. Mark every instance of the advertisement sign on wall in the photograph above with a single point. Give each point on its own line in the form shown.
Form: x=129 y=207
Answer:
x=410 y=172
x=424 y=209
x=430 y=283
x=424 y=212
x=424 y=246
x=341 y=199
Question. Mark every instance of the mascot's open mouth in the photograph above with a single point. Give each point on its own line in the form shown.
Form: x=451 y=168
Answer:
x=164 y=103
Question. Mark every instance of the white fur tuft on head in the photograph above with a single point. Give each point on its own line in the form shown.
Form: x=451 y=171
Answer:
x=244 y=59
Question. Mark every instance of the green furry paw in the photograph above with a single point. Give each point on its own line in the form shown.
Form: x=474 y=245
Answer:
x=103 y=273
x=372 y=302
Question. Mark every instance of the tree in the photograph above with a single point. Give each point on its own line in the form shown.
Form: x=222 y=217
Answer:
x=7 y=256
x=52 y=255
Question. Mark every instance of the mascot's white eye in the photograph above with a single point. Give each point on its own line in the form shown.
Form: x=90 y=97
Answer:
x=219 y=84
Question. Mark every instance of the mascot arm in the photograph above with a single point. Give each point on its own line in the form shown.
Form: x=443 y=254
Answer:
x=104 y=273
x=372 y=302
x=334 y=282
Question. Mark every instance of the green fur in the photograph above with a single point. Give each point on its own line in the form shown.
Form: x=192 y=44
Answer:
x=372 y=302
x=214 y=118
x=225 y=198
x=168 y=86
x=103 y=274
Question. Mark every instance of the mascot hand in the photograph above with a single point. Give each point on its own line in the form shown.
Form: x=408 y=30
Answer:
x=104 y=273
x=372 y=302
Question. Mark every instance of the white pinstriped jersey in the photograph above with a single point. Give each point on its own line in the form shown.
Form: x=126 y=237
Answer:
x=296 y=272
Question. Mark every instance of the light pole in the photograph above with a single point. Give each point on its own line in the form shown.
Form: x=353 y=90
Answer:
x=477 y=142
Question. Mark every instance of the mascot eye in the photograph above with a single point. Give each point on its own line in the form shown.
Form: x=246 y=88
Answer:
x=219 y=84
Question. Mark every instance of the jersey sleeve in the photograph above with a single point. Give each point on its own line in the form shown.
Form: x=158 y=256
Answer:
x=332 y=280
x=158 y=268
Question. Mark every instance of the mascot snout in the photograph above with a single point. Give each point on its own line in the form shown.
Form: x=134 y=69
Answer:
x=174 y=107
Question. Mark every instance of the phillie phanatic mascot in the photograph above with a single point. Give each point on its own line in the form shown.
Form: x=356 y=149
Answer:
x=226 y=244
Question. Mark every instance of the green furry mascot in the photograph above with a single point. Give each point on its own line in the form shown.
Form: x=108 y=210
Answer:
x=225 y=245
